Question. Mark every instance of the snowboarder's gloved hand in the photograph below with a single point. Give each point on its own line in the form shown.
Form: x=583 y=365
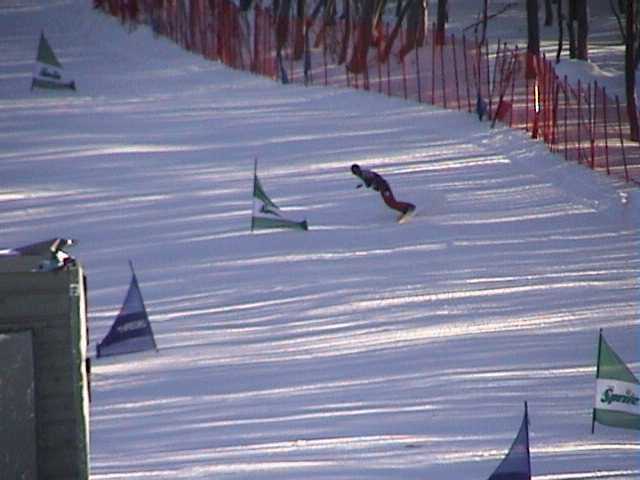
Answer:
x=359 y=185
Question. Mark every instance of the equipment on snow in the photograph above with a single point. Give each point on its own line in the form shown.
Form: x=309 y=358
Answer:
x=405 y=217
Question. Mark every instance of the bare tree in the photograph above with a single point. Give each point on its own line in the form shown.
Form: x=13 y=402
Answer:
x=560 y=30
x=533 y=36
x=629 y=32
x=582 y=17
x=441 y=20
x=298 y=41
x=415 y=28
x=485 y=21
x=571 y=19
x=630 y=71
x=622 y=11
x=548 y=12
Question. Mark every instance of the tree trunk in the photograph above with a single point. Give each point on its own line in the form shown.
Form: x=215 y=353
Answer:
x=442 y=19
x=365 y=21
x=298 y=43
x=630 y=72
x=282 y=25
x=415 y=27
x=571 y=18
x=582 y=16
x=346 y=36
x=384 y=56
x=485 y=21
x=560 y=31
x=548 y=13
x=533 y=37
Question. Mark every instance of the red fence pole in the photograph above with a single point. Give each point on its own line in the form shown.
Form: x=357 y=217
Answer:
x=388 y=65
x=489 y=92
x=543 y=86
x=526 y=95
x=418 y=79
x=554 y=112
x=606 y=136
x=592 y=116
x=433 y=65
x=495 y=67
x=443 y=73
x=324 y=57
x=379 y=67
x=579 y=121
x=566 y=108
x=466 y=71
x=624 y=157
x=513 y=86
x=455 y=69
x=403 y=33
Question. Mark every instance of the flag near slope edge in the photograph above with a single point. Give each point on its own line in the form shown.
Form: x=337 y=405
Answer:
x=617 y=401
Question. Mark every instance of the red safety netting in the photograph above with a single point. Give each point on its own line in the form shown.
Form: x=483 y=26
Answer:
x=580 y=122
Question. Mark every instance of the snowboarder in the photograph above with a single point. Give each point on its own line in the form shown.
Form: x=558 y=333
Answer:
x=373 y=180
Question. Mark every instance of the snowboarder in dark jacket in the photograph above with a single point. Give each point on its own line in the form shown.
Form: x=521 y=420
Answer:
x=373 y=180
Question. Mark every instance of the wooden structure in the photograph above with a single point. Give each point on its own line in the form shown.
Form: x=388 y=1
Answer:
x=44 y=397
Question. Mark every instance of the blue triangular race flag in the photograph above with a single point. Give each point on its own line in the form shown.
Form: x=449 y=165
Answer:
x=131 y=331
x=516 y=465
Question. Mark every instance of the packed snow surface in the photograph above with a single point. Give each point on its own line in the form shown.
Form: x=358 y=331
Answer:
x=361 y=349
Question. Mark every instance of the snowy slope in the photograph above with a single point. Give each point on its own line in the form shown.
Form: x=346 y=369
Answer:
x=360 y=349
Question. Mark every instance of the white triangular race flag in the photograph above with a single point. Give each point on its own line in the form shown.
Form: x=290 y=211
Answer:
x=516 y=465
x=267 y=215
x=48 y=71
x=131 y=331
x=617 y=402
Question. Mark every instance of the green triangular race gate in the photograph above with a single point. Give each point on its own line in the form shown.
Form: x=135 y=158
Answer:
x=48 y=72
x=617 y=400
x=266 y=214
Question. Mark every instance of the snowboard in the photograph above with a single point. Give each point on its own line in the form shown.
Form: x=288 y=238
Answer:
x=405 y=217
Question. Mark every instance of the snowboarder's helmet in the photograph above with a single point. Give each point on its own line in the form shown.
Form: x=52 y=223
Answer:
x=355 y=169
